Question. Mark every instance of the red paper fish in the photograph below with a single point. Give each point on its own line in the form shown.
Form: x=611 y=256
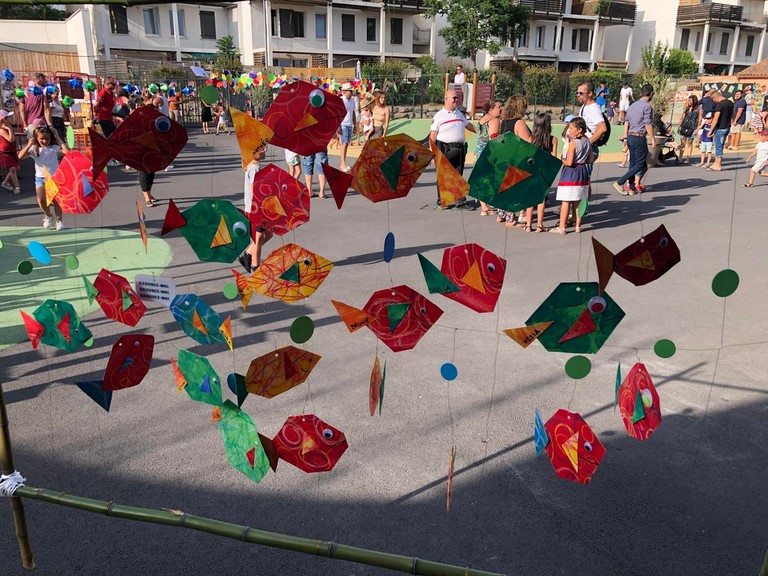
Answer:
x=400 y=316
x=118 y=299
x=309 y=443
x=74 y=187
x=641 y=262
x=573 y=449
x=279 y=371
x=280 y=202
x=639 y=403
x=129 y=361
x=478 y=273
x=304 y=118
x=147 y=141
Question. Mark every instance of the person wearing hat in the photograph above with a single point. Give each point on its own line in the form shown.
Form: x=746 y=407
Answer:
x=9 y=157
x=706 y=141
x=348 y=124
x=366 y=120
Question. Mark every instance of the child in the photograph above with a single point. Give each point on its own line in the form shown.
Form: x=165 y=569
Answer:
x=46 y=156
x=222 y=121
x=706 y=141
x=8 y=156
x=294 y=163
x=261 y=235
x=541 y=137
x=761 y=151
x=366 y=120
x=611 y=112
x=574 y=179
x=625 y=162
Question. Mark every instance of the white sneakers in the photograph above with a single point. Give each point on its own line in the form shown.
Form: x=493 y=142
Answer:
x=47 y=223
x=59 y=225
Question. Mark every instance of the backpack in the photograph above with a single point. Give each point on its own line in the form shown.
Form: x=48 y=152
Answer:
x=605 y=136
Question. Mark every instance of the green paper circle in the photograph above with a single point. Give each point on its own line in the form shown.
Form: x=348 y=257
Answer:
x=25 y=267
x=725 y=283
x=302 y=329
x=665 y=348
x=230 y=290
x=209 y=95
x=578 y=367
x=72 y=262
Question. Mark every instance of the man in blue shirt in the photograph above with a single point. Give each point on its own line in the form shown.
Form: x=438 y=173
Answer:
x=637 y=128
x=601 y=96
x=739 y=118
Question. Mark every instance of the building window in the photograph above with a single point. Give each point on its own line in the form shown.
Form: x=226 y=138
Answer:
x=709 y=43
x=522 y=40
x=574 y=39
x=685 y=35
x=539 y=37
x=585 y=37
x=291 y=24
x=207 y=25
x=320 y=26
x=370 y=29
x=554 y=38
x=182 y=23
x=697 y=42
x=396 y=29
x=150 y=22
x=118 y=19
x=724 y=43
x=348 y=27
x=289 y=62
x=750 y=45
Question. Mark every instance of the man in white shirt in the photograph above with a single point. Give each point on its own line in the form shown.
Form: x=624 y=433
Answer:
x=625 y=99
x=592 y=114
x=460 y=80
x=348 y=124
x=447 y=134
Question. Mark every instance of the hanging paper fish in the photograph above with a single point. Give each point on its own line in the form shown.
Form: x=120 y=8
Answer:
x=128 y=362
x=73 y=186
x=387 y=168
x=252 y=135
x=400 y=316
x=279 y=371
x=147 y=141
x=581 y=319
x=309 y=443
x=639 y=403
x=451 y=186
x=214 y=229
x=304 y=118
x=643 y=261
x=245 y=452
x=199 y=321
x=512 y=174
x=477 y=272
x=117 y=298
x=202 y=382
x=573 y=448
x=56 y=323
x=280 y=202
x=290 y=273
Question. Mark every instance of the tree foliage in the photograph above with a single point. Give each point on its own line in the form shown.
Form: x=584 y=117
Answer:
x=30 y=12
x=541 y=84
x=475 y=25
x=654 y=55
x=228 y=56
x=662 y=92
x=672 y=61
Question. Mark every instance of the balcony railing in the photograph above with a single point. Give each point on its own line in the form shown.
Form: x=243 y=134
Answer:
x=543 y=8
x=714 y=13
x=413 y=4
x=608 y=11
x=420 y=37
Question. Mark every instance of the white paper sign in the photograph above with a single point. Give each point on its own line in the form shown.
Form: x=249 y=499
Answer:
x=155 y=289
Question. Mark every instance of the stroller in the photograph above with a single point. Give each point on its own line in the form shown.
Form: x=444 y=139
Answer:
x=670 y=147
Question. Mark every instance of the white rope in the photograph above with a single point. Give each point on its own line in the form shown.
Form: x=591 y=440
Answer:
x=9 y=483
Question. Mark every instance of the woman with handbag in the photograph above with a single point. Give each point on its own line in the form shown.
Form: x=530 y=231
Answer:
x=689 y=121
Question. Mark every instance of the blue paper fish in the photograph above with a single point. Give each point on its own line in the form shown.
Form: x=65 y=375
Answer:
x=199 y=321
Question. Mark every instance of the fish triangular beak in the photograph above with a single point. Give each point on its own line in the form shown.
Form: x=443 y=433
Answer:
x=147 y=139
x=644 y=261
x=513 y=177
x=272 y=203
x=571 y=449
x=306 y=122
x=222 y=236
x=473 y=279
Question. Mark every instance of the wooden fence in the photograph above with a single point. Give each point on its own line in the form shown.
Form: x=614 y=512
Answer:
x=23 y=60
x=340 y=74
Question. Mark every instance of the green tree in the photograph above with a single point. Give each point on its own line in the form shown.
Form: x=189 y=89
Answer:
x=680 y=63
x=475 y=25
x=654 y=55
x=30 y=12
x=228 y=56
x=541 y=85
x=662 y=92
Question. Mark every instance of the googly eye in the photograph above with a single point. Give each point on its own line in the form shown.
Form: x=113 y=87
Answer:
x=327 y=433
x=530 y=162
x=588 y=446
x=162 y=124
x=423 y=310
x=135 y=343
x=307 y=261
x=284 y=187
x=240 y=229
x=596 y=304
x=491 y=267
x=664 y=242
x=411 y=157
x=316 y=98
x=647 y=398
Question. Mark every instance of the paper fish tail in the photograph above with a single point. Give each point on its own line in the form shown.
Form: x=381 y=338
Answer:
x=604 y=260
x=100 y=152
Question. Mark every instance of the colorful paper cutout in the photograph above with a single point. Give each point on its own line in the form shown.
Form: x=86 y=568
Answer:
x=56 y=323
x=643 y=261
x=583 y=325
x=147 y=141
x=118 y=299
x=242 y=443
x=279 y=371
x=252 y=135
x=142 y=226
x=73 y=185
x=304 y=118
x=173 y=219
x=280 y=202
x=39 y=252
x=181 y=381
x=339 y=182
x=198 y=320
x=512 y=174
x=389 y=247
x=309 y=443
x=266 y=280
x=419 y=317
x=128 y=362
x=540 y=437
x=449 y=485
x=451 y=186
x=437 y=282
x=479 y=274
x=236 y=383
x=376 y=386
x=95 y=392
x=353 y=318
x=573 y=449
x=203 y=384
x=639 y=403
x=387 y=168
x=525 y=335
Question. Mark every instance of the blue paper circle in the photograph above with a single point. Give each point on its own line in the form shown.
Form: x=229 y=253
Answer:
x=39 y=252
x=449 y=371
x=389 y=247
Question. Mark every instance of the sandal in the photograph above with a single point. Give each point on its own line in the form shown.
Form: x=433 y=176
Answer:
x=527 y=228
x=747 y=185
x=501 y=218
x=577 y=230
x=512 y=224
x=541 y=229
x=560 y=231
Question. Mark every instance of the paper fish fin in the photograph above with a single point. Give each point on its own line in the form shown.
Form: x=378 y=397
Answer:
x=142 y=226
x=374 y=386
x=147 y=140
x=34 y=328
x=437 y=282
x=512 y=177
x=308 y=444
x=527 y=334
x=639 y=412
x=173 y=219
x=473 y=278
x=216 y=416
x=63 y=327
x=540 y=436
x=571 y=449
x=95 y=393
x=181 y=382
x=306 y=122
x=222 y=236
x=98 y=151
x=643 y=260
x=583 y=325
x=339 y=183
x=618 y=385
x=226 y=331
x=90 y=289
x=244 y=289
x=390 y=167
x=396 y=313
x=269 y=450
x=197 y=322
x=291 y=274
x=451 y=186
x=51 y=188
x=236 y=383
x=604 y=262
x=353 y=318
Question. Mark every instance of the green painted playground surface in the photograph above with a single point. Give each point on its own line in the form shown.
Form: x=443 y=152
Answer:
x=94 y=249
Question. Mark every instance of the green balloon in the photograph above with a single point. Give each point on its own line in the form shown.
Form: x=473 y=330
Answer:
x=725 y=283
x=72 y=262
x=302 y=329
x=19 y=92
x=230 y=290
x=25 y=267
x=578 y=367
x=90 y=85
x=67 y=101
x=665 y=348
x=209 y=95
x=152 y=89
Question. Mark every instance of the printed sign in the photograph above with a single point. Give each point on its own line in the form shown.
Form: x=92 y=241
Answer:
x=155 y=289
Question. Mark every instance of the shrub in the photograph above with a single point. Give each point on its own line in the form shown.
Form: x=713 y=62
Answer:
x=661 y=89
x=680 y=63
x=575 y=80
x=541 y=84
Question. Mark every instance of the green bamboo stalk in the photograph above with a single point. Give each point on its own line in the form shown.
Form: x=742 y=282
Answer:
x=764 y=571
x=179 y=519
x=17 y=506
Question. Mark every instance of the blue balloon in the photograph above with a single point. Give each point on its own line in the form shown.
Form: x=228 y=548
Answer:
x=185 y=91
x=8 y=75
x=36 y=90
x=39 y=252
x=50 y=88
x=389 y=247
x=73 y=82
x=171 y=92
x=449 y=371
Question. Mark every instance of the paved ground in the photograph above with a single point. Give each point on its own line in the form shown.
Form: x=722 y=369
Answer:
x=689 y=501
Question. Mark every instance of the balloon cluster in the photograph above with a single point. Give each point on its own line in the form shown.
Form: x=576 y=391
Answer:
x=35 y=90
x=90 y=85
x=76 y=82
x=50 y=89
x=8 y=75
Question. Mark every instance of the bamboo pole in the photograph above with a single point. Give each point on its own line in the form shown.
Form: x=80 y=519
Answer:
x=179 y=519
x=17 y=506
x=764 y=571
x=474 y=95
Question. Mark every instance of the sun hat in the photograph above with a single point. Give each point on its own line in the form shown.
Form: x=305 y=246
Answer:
x=346 y=86
x=709 y=115
x=4 y=114
x=568 y=118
